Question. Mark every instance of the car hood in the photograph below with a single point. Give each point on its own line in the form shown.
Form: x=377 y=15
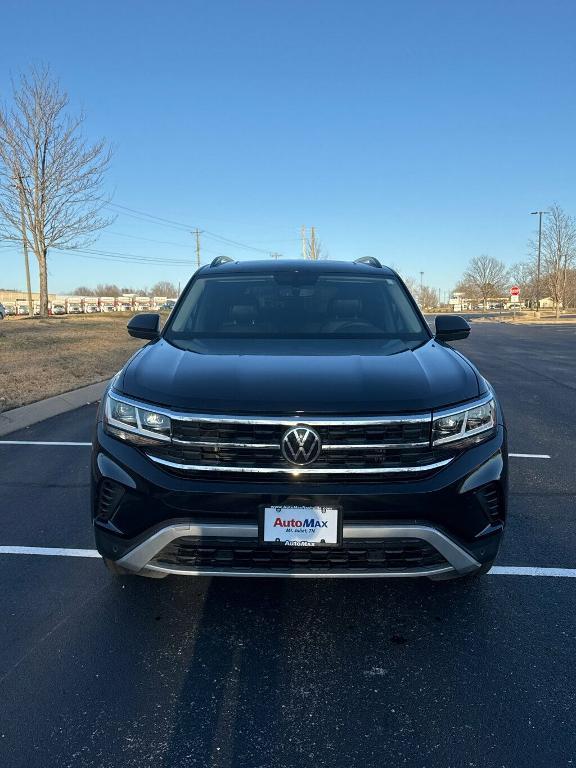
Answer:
x=432 y=376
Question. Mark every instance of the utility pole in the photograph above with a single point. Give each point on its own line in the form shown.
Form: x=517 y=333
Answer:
x=539 y=214
x=421 y=276
x=197 y=233
x=313 y=243
x=303 y=237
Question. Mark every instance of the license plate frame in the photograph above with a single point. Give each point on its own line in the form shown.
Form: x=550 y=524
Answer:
x=332 y=514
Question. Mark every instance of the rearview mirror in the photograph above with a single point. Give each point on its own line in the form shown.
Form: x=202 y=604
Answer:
x=451 y=328
x=145 y=326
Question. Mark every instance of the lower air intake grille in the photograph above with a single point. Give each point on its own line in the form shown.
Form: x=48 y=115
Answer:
x=109 y=498
x=376 y=555
x=489 y=498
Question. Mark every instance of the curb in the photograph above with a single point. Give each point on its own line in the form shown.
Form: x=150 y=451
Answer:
x=20 y=418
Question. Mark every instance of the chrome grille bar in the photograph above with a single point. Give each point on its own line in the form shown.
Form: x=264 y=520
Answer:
x=296 y=471
x=276 y=446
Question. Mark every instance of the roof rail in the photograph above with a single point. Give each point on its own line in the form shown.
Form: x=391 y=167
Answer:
x=370 y=260
x=221 y=260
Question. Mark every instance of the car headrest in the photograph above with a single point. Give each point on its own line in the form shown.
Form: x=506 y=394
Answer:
x=243 y=313
x=346 y=308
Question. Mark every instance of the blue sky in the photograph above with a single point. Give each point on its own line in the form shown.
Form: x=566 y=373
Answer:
x=419 y=132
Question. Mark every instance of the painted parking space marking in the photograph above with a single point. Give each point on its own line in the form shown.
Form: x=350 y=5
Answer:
x=529 y=455
x=49 y=551
x=39 y=442
x=513 y=570
x=496 y=570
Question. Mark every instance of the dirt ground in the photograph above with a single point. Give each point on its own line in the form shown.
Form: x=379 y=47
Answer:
x=41 y=358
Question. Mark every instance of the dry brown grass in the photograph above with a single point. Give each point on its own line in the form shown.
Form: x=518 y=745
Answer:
x=41 y=358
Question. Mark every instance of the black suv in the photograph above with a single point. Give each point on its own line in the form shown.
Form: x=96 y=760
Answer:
x=299 y=418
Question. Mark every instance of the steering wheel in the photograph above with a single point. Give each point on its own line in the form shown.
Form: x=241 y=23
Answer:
x=354 y=325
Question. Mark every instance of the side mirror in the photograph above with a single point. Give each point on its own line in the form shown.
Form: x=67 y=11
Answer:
x=451 y=328
x=145 y=326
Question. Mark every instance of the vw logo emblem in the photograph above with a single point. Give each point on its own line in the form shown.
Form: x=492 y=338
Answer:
x=301 y=445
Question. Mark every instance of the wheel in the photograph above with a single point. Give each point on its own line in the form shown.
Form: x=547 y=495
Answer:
x=118 y=571
x=466 y=577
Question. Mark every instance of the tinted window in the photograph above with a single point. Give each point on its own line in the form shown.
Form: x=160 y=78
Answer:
x=296 y=305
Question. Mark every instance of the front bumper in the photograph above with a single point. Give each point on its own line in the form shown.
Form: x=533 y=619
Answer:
x=148 y=554
x=158 y=522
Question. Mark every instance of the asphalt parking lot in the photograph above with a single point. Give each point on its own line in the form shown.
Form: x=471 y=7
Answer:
x=259 y=674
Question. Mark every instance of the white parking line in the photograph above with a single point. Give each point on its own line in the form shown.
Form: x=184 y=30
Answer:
x=529 y=455
x=51 y=551
x=512 y=570
x=37 y=442
x=497 y=570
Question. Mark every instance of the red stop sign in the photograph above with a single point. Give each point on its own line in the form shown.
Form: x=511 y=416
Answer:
x=514 y=291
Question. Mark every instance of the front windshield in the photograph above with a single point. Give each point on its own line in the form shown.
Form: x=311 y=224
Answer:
x=296 y=305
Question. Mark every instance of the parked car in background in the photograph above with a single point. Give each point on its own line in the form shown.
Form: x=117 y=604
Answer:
x=10 y=310
x=3 y=312
x=58 y=309
x=22 y=310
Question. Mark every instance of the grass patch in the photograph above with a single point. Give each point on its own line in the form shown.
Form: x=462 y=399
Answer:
x=44 y=357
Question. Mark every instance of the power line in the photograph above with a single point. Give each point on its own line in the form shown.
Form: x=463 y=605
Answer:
x=149 y=239
x=130 y=258
x=234 y=242
x=150 y=216
x=135 y=213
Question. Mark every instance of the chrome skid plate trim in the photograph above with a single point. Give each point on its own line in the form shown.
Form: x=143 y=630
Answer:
x=139 y=558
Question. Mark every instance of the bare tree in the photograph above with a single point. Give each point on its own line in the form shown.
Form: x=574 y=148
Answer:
x=570 y=293
x=523 y=274
x=314 y=248
x=82 y=290
x=107 y=289
x=558 y=253
x=427 y=297
x=410 y=283
x=487 y=276
x=468 y=290
x=164 y=288
x=50 y=177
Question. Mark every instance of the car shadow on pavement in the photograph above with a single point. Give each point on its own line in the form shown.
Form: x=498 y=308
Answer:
x=287 y=672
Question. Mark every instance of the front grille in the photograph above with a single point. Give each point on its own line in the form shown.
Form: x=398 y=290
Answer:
x=233 y=444
x=393 y=555
x=385 y=431
x=246 y=458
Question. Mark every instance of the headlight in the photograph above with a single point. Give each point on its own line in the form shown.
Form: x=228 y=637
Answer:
x=130 y=422
x=472 y=425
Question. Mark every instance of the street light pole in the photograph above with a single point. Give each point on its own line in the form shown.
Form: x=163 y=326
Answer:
x=539 y=214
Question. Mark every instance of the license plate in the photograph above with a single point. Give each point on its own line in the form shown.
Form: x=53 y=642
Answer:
x=301 y=526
